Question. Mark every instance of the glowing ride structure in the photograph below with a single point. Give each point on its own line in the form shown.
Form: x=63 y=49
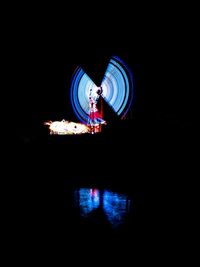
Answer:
x=117 y=89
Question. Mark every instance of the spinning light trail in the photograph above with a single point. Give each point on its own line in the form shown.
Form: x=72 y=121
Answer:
x=117 y=89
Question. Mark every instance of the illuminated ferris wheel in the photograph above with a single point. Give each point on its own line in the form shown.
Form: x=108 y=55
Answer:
x=117 y=89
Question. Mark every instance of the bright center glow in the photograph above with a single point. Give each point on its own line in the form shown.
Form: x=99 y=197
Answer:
x=66 y=127
x=117 y=85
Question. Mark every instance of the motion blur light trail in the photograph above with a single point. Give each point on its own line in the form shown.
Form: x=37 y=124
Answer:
x=117 y=89
x=117 y=86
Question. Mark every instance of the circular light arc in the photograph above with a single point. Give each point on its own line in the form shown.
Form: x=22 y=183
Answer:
x=117 y=85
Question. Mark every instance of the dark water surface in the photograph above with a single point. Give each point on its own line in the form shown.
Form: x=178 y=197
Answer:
x=111 y=196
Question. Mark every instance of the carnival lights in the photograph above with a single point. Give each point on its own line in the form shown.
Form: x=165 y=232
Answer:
x=65 y=127
x=117 y=89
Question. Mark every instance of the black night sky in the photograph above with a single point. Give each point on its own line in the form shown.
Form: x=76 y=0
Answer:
x=150 y=155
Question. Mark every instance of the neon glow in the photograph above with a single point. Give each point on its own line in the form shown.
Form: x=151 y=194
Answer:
x=117 y=89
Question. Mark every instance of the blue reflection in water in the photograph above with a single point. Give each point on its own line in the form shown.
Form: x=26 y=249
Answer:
x=114 y=205
x=88 y=200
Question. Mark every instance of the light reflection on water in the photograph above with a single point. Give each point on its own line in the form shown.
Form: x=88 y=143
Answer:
x=87 y=200
x=114 y=205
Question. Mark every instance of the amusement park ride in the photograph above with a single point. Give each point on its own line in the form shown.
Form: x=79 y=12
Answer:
x=116 y=89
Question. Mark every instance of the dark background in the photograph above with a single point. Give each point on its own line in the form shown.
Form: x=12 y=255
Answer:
x=45 y=44
x=43 y=60
x=152 y=154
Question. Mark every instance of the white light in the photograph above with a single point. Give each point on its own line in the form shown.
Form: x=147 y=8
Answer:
x=66 y=127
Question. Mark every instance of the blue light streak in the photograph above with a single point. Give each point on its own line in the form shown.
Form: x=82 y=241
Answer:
x=117 y=85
